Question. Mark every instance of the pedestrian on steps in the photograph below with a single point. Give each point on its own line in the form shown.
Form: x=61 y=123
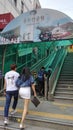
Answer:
x=10 y=90
x=25 y=92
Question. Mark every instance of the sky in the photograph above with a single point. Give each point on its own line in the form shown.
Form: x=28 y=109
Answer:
x=65 y=6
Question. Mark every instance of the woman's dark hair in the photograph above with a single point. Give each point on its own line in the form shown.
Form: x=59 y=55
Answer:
x=26 y=73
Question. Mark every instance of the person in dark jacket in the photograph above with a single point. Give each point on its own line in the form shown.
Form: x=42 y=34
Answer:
x=49 y=71
x=41 y=81
x=48 y=75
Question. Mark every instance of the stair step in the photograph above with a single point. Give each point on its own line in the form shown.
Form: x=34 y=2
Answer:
x=65 y=82
x=60 y=85
x=64 y=74
x=66 y=79
x=64 y=92
x=63 y=89
x=66 y=70
x=65 y=98
x=64 y=85
x=68 y=95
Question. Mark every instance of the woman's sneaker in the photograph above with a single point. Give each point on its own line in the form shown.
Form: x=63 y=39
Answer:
x=6 y=122
x=22 y=127
x=13 y=112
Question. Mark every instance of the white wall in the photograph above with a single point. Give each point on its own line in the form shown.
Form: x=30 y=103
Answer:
x=9 y=6
x=6 y=6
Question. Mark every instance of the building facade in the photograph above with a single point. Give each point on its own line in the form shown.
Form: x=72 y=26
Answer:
x=16 y=7
x=10 y=9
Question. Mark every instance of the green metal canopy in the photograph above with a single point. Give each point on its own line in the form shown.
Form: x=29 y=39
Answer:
x=63 y=43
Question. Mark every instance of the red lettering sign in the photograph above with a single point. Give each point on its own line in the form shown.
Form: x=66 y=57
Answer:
x=5 y=19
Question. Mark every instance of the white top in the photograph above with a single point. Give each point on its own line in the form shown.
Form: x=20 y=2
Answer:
x=11 y=78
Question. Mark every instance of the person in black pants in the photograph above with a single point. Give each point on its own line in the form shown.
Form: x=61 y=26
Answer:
x=10 y=90
x=48 y=75
x=40 y=79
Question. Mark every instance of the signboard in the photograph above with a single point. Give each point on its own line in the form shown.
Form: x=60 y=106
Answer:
x=5 y=19
x=23 y=52
x=39 y=25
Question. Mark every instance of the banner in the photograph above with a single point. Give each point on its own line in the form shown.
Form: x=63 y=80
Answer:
x=39 y=25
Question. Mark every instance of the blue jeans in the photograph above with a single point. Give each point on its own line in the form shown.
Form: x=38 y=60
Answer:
x=9 y=95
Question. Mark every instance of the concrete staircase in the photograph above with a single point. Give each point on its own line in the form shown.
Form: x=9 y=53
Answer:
x=64 y=88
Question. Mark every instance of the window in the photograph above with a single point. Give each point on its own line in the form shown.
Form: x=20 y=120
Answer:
x=15 y=2
x=22 y=6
